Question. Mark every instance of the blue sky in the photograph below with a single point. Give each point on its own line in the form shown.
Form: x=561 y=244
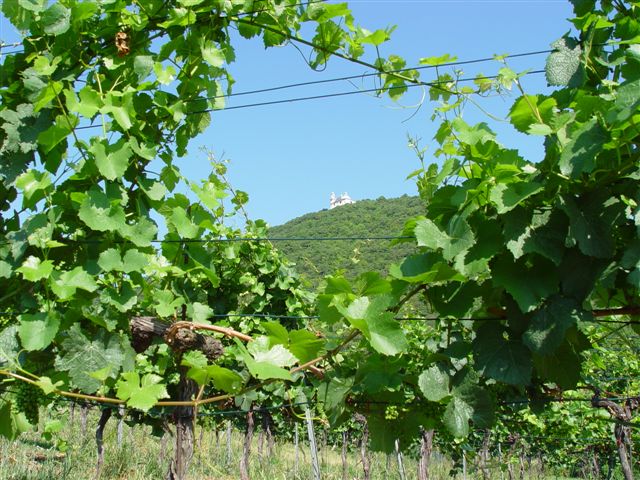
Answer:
x=290 y=157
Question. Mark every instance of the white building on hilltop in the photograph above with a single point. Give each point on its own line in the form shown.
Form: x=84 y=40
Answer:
x=343 y=199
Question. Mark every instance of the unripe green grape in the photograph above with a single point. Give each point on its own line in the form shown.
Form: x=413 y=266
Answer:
x=27 y=399
x=391 y=412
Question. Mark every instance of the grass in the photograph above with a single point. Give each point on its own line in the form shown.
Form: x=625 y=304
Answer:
x=141 y=456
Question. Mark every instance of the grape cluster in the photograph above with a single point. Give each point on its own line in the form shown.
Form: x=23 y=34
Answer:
x=27 y=400
x=391 y=412
x=5 y=320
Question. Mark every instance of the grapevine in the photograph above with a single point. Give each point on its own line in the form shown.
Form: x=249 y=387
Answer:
x=514 y=261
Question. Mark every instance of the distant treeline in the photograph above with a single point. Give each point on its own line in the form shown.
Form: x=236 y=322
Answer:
x=365 y=218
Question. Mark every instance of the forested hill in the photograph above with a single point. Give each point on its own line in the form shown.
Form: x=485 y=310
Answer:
x=365 y=218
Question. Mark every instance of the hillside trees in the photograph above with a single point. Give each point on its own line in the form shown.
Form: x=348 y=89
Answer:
x=366 y=223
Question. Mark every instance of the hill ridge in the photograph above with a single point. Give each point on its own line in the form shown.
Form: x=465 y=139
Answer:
x=381 y=217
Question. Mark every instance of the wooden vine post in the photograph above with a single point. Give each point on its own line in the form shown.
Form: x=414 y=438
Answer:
x=401 y=472
x=364 y=444
x=246 y=449
x=269 y=427
x=229 y=431
x=315 y=464
x=296 y=448
x=426 y=447
x=120 y=430
x=84 y=410
x=344 y=455
x=484 y=455
x=183 y=419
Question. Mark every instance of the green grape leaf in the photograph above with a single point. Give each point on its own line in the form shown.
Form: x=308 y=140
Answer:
x=277 y=355
x=261 y=370
x=472 y=135
x=222 y=378
x=479 y=399
x=124 y=298
x=372 y=283
x=507 y=196
x=9 y=346
x=563 y=366
x=369 y=315
x=12 y=425
x=563 y=67
x=456 y=417
x=112 y=160
x=47 y=385
x=56 y=19
x=321 y=12
x=580 y=154
x=37 y=330
x=36 y=6
x=50 y=138
x=404 y=430
x=504 y=360
x=120 y=107
x=212 y=54
x=543 y=233
x=143 y=66
x=429 y=235
x=147 y=151
x=155 y=191
x=435 y=61
x=65 y=284
x=33 y=269
x=523 y=112
x=488 y=243
x=34 y=186
x=591 y=232
x=141 y=233
x=528 y=285
x=89 y=104
x=102 y=374
x=540 y=129
x=166 y=303
x=82 y=356
x=199 y=312
x=550 y=323
x=332 y=393
x=183 y=224
x=209 y=194
x=97 y=212
x=427 y=268
x=434 y=383
x=110 y=260
x=277 y=333
x=6 y=270
x=194 y=359
x=455 y=241
x=141 y=393
x=134 y=261
x=225 y=379
x=304 y=345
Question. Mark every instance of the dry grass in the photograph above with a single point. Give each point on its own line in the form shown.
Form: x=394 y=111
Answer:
x=140 y=457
